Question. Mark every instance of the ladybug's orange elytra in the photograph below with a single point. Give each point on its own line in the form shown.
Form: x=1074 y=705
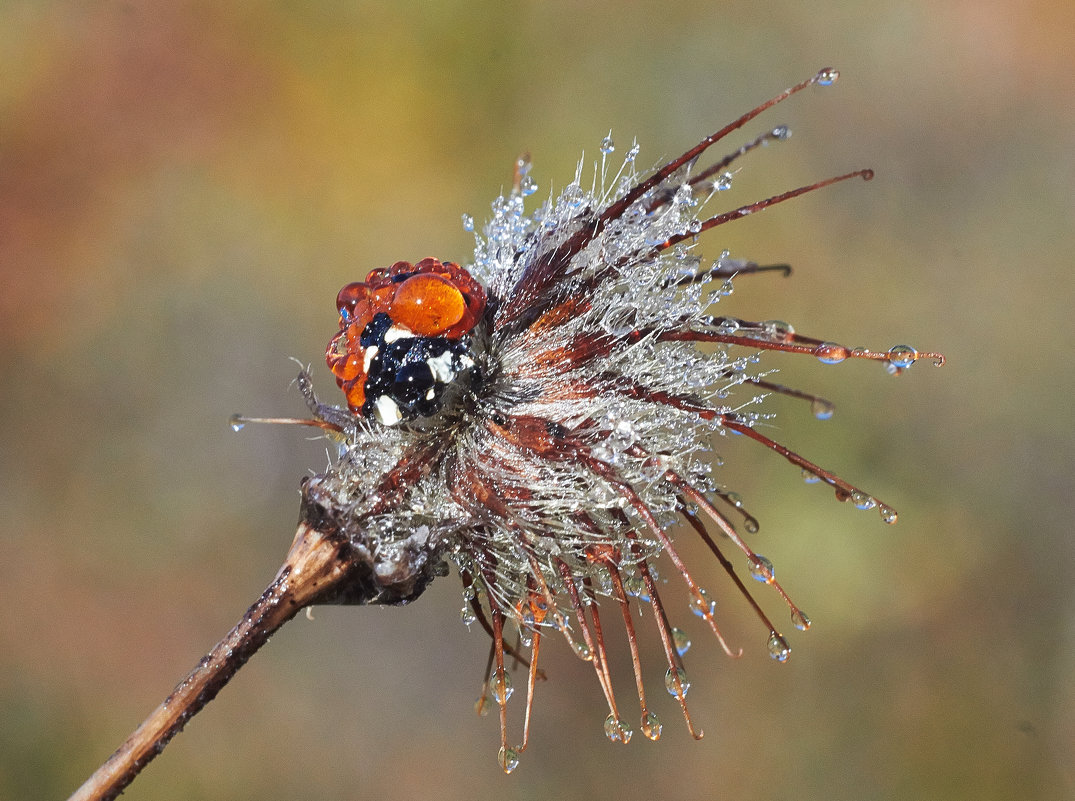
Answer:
x=427 y=301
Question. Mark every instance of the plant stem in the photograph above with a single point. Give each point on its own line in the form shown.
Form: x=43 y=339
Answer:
x=317 y=565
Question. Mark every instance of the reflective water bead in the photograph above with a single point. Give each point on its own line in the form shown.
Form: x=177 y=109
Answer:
x=607 y=145
x=830 y=353
x=726 y=287
x=822 y=409
x=828 y=76
x=862 y=500
x=888 y=514
x=468 y=222
x=761 y=569
x=632 y=154
x=508 y=759
x=723 y=182
x=466 y=614
x=651 y=726
x=501 y=684
x=676 y=682
x=617 y=730
x=799 y=619
x=582 y=651
x=778 y=647
x=573 y=195
x=702 y=605
x=778 y=329
x=681 y=641
x=902 y=356
x=751 y=524
x=728 y=326
x=735 y=499
x=694 y=227
x=781 y=132
x=810 y=477
x=633 y=586
x=527 y=186
x=236 y=422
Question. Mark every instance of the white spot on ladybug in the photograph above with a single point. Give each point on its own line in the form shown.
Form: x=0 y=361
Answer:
x=441 y=367
x=397 y=332
x=387 y=411
x=367 y=358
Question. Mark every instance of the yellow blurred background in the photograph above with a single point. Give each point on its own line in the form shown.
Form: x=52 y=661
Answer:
x=185 y=186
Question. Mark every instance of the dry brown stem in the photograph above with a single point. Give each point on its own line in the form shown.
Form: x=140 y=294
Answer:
x=316 y=567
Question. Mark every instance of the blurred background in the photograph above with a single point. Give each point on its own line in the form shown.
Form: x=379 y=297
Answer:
x=184 y=189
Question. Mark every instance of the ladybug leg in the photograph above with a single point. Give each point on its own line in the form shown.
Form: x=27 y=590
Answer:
x=333 y=415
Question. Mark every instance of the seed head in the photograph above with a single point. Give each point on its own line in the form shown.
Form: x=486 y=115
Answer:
x=542 y=418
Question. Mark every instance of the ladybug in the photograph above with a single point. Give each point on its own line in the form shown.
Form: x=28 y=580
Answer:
x=404 y=338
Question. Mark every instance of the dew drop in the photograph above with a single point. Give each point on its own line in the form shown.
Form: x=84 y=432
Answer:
x=822 y=409
x=694 y=227
x=778 y=647
x=527 y=186
x=778 y=330
x=799 y=619
x=468 y=222
x=573 y=195
x=582 y=651
x=617 y=730
x=830 y=353
x=670 y=679
x=761 y=569
x=501 y=684
x=651 y=726
x=723 y=182
x=888 y=514
x=828 y=76
x=681 y=641
x=862 y=500
x=702 y=605
x=237 y=422
x=508 y=759
x=481 y=706
x=751 y=525
x=607 y=145
x=632 y=154
x=466 y=614
x=902 y=356
x=781 y=132
x=810 y=477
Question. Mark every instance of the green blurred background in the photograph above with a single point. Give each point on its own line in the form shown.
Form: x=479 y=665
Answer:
x=183 y=190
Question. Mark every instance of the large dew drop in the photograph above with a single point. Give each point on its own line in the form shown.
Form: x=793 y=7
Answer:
x=828 y=76
x=617 y=730
x=676 y=682
x=761 y=569
x=651 y=726
x=508 y=759
x=902 y=356
x=831 y=353
x=681 y=641
x=778 y=647
x=501 y=684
